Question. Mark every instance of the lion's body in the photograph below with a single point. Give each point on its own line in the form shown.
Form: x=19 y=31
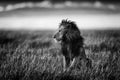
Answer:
x=71 y=42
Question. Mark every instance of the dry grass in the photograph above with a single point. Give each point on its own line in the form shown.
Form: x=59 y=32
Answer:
x=26 y=55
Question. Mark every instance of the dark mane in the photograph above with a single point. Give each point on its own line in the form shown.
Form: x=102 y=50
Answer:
x=74 y=34
x=69 y=24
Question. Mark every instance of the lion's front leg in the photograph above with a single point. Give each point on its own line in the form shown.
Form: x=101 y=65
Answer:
x=72 y=63
x=64 y=64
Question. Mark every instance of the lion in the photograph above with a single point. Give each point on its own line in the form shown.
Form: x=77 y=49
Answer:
x=69 y=37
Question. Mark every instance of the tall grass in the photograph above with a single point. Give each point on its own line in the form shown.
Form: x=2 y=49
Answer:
x=34 y=56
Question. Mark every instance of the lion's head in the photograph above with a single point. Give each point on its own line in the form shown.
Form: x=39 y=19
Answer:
x=68 y=32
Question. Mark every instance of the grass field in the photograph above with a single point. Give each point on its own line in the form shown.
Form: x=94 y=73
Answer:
x=33 y=55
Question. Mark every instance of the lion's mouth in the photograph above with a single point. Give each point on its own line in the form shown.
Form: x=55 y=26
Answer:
x=57 y=40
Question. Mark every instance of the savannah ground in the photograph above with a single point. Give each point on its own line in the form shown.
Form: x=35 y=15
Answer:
x=33 y=55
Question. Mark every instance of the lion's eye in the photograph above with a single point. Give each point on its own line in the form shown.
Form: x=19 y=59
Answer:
x=59 y=30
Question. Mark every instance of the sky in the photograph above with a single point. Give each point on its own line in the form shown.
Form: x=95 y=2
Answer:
x=45 y=15
x=58 y=0
x=52 y=22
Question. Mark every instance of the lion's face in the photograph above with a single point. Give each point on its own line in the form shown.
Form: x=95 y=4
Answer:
x=67 y=33
x=59 y=35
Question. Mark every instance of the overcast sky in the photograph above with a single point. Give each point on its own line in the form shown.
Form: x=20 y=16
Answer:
x=58 y=0
x=45 y=15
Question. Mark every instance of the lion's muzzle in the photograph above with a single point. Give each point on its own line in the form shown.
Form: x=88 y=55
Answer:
x=57 y=37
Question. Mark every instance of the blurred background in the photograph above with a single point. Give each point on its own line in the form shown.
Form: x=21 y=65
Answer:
x=47 y=14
